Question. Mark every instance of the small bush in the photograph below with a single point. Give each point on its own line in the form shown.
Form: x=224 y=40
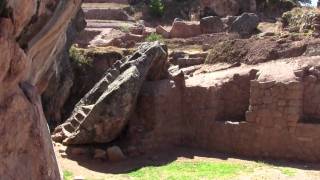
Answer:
x=154 y=37
x=125 y=29
x=156 y=8
x=67 y=175
x=300 y=19
x=79 y=57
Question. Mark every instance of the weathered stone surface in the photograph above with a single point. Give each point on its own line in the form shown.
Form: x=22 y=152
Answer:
x=266 y=104
x=212 y=24
x=29 y=44
x=60 y=84
x=100 y=154
x=185 y=29
x=102 y=114
x=115 y=154
x=162 y=31
x=245 y=24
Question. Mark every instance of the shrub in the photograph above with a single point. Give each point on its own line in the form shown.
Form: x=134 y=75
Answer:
x=78 y=56
x=67 y=175
x=156 y=8
x=300 y=19
x=125 y=29
x=154 y=37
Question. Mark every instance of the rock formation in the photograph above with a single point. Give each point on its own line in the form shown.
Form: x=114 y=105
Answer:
x=62 y=79
x=32 y=34
x=102 y=114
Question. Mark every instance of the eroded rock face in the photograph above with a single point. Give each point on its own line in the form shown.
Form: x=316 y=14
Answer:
x=103 y=113
x=58 y=90
x=30 y=39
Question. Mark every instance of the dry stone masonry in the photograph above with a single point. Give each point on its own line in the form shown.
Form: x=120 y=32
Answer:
x=268 y=110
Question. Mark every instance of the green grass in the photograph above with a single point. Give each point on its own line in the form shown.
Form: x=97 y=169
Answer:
x=79 y=56
x=190 y=170
x=67 y=175
x=288 y=171
x=154 y=37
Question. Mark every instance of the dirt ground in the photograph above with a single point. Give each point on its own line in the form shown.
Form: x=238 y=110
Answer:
x=263 y=169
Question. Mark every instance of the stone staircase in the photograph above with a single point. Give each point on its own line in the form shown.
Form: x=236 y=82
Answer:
x=85 y=106
x=101 y=115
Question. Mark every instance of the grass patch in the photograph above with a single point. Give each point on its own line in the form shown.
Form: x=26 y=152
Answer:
x=288 y=171
x=190 y=170
x=125 y=28
x=154 y=37
x=78 y=56
x=67 y=175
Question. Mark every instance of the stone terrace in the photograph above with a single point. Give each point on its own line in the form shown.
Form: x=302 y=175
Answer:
x=255 y=111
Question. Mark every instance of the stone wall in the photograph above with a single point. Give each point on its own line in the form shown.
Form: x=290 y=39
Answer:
x=197 y=115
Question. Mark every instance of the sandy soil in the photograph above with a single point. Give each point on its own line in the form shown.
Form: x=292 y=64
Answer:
x=102 y=169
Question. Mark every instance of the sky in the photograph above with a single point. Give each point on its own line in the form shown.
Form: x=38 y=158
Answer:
x=314 y=2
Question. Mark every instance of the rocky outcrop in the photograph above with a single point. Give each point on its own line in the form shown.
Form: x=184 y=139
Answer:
x=60 y=84
x=103 y=113
x=89 y=66
x=31 y=36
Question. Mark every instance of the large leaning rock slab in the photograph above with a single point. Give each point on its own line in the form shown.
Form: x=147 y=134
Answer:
x=104 y=111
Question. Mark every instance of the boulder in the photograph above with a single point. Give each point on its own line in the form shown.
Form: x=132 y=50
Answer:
x=211 y=24
x=138 y=29
x=103 y=113
x=228 y=20
x=162 y=31
x=245 y=24
x=115 y=154
x=100 y=154
x=185 y=29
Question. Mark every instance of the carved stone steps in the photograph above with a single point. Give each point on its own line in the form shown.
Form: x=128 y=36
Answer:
x=102 y=114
